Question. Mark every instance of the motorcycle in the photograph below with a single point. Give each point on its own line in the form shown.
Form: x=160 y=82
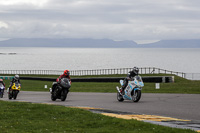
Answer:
x=60 y=89
x=132 y=90
x=2 y=88
x=14 y=90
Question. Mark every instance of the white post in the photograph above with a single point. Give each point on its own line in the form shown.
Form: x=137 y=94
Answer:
x=157 y=85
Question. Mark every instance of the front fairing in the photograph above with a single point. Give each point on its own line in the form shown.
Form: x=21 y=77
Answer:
x=65 y=83
x=138 y=81
x=135 y=84
x=16 y=86
x=128 y=90
x=2 y=87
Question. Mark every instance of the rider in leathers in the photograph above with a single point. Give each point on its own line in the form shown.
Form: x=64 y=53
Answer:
x=131 y=74
x=64 y=75
x=1 y=82
x=15 y=79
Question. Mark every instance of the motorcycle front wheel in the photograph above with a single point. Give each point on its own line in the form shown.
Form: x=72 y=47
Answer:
x=136 y=97
x=120 y=97
x=1 y=94
x=15 y=94
x=64 y=95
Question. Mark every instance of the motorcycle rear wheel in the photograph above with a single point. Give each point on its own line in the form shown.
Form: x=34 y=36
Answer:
x=10 y=94
x=53 y=96
x=120 y=97
x=137 y=96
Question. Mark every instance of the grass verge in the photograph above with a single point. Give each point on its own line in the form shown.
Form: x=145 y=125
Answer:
x=180 y=85
x=27 y=117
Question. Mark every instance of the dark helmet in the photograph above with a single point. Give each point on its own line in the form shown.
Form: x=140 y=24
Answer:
x=16 y=77
x=66 y=73
x=136 y=70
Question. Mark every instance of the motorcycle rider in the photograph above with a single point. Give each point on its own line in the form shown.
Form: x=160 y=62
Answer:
x=1 y=81
x=130 y=75
x=15 y=79
x=66 y=74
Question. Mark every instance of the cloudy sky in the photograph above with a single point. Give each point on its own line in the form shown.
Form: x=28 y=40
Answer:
x=138 y=20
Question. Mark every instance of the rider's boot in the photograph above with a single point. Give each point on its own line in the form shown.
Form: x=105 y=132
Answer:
x=122 y=91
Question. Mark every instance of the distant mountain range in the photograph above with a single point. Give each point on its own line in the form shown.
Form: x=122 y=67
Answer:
x=96 y=43
x=192 y=43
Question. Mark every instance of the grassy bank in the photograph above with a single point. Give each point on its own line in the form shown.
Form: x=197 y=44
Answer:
x=180 y=85
x=26 y=117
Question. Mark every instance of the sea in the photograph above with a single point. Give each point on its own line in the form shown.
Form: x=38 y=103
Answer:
x=185 y=60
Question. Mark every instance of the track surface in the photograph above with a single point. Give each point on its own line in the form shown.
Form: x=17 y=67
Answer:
x=182 y=106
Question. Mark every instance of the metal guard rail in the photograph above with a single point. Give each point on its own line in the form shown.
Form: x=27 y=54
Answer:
x=143 y=70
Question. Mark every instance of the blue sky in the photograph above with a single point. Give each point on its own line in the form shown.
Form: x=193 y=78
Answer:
x=137 y=20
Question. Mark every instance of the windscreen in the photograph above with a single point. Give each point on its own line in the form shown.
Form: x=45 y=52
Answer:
x=1 y=85
x=139 y=79
x=65 y=82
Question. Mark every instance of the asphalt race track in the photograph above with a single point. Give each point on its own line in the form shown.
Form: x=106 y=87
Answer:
x=182 y=106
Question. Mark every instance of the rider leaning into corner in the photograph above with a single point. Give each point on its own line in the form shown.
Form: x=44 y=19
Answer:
x=15 y=79
x=130 y=75
x=66 y=74
x=1 y=82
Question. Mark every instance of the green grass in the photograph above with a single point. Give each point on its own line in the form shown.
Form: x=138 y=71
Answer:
x=180 y=85
x=19 y=117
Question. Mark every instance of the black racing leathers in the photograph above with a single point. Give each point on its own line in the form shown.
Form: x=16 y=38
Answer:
x=129 y=75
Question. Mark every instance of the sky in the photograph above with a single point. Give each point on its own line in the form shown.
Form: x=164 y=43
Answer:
x=142 y=21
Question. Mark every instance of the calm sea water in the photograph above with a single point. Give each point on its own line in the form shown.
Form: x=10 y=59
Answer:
x=181 y=60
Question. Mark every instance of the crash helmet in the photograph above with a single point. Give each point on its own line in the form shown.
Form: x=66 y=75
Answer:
x=135 y=70
x=66 y=73
x=1 y=80
x=16 y=77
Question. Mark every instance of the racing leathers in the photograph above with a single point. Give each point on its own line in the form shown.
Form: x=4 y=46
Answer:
x=130 y=75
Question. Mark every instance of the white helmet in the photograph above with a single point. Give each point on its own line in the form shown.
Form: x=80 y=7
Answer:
x=16 y=77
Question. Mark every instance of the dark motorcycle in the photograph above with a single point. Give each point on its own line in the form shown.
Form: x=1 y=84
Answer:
x=60 y=89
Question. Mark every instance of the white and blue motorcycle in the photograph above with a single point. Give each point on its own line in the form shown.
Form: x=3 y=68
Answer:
x=132 y=90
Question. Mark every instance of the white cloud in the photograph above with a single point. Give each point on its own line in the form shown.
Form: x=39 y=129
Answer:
x=3 y=25
x=22 y=2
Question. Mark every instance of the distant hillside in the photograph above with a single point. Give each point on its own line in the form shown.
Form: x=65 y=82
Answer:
x=96 y=43
x=86 y=43
x=193 y=43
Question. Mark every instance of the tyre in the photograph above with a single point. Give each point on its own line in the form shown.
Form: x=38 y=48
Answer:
x=137 y=96
x=53 y=96
x=64 y=95
x=120 y=97
x=1 y=94
x=10 y=94
x=15 y=94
